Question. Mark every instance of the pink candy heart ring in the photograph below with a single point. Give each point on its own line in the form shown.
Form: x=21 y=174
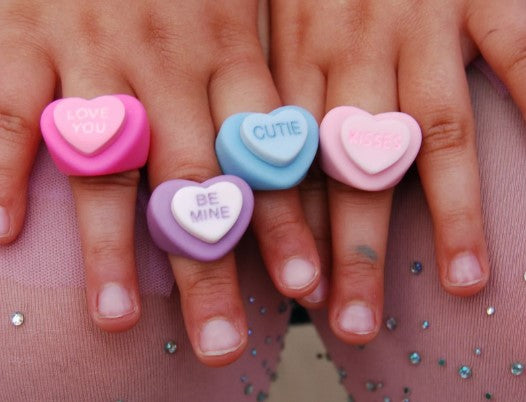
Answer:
x=105 y=135
x=369 y=152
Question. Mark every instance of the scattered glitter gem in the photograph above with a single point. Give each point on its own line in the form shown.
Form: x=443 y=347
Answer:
x=350 y=398
x=407 y=390
x=342 y=374
x=442 y=362
x=416 y=268
x=244 y=379
x=490 y=310
x=360 y=347
x=387 y=399
x=425 y=325
x=465 y=372
x=251 y=299
x=328 y=357
x=17 y=319
x=170 y=347
x=273 y=376
x=379 y=385
x=282 y=308
x=264 y=363
x=261 y=396
x=405 y=400
x=391 y=323
x=517 y=368
x=370 y=386
x=415 y=358
x=249 y=389
x=250 y=332
x=319 y=355
x=268 y=340
x=263 y=310
x=254 y=352
x=488 y=395
x=477 y=351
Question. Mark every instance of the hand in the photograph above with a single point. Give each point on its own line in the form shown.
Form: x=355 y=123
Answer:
x=409 y=56
x=192 y=64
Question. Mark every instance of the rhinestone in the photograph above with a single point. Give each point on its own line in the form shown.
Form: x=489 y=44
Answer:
x=273 y=376
x=268 y=340
x=370 y=386
x=319 y=355
x=416 y=268
x=342 y=374
x=261 y=396
x=249 y=389
x=464 y=372
x=254 y=352
x=250 y=332
x=350 y=398
x=488 y=395
x=244 y=379
x=406 y=400
x=477 y=351
x=442 y=362
x=425 y=325
x=407 y=390
x=490 y=310
x=282 y=308
x=360 y=347
x=380 y=385
x=387 y=399
x=517 y=368
x=170 y=347
x=263 y=310
x=251 y=299
x=17 y=319
x=391 y=323
x=415 y=358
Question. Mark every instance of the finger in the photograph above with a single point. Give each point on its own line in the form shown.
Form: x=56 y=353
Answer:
x=359 y=220
x=183 y=148
x=285 y=240
x=499 y=30
x=27 y=83
x=301 y=82
x=433 y=89
x=106 y=214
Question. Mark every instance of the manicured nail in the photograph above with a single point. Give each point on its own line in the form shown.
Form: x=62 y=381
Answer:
x=357 y=318
x=114 y=301
x=297 y=273
x=320 y=293
x=465 y=270
x=219 y=337
x=5 y=225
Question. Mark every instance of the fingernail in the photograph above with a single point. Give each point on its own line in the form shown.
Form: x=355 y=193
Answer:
x=219 y=337
x=465 y=270
x=357 y=318
x=114 y=301
x=5 y=224
x=297 y=273
x=319 y=294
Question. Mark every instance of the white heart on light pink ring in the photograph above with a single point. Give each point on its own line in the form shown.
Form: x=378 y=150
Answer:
x=374 y=144
x=89 y=125
x=207 y=213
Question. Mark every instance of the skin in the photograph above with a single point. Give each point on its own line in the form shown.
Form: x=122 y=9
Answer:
x=192 y=64
x=397 y=55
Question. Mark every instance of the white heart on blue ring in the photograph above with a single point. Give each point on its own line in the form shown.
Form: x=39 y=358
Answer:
x=276 y=139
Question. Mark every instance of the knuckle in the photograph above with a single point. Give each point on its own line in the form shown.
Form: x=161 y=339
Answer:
x=195 y=171
x=283 y=225
x=119 y=181
x=459 y=218
x=106 y=249
x=445 y=133
x=516 y=65
x=207 y=283
x=355 y=267
x=14 y=130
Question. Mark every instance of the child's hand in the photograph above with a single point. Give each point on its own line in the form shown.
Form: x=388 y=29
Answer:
x=192 y=64
x=410 y=56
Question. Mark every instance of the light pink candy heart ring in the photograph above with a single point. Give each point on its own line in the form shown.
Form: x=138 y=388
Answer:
x=105 y=135
x=369 y=152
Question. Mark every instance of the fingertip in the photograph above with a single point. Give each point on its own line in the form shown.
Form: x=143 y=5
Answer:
x=356 y=323
x=466 y=274
x=318 y=297
x=12 y=214
x=115 y=308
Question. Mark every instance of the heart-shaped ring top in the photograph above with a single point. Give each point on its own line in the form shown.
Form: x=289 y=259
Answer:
x=200 y=221
x=370 y=152
x=269 y=151
x=105 y=135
